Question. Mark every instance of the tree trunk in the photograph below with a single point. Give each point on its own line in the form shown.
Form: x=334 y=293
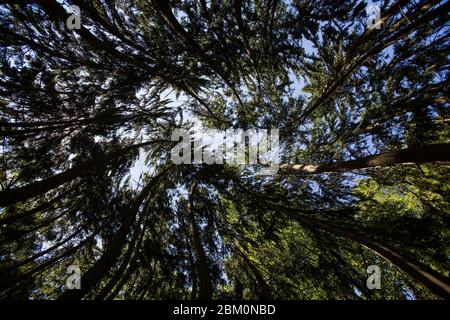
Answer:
x=49 y=205
x=128 y=260
x=112 y=252
x=12 y=196
x=419 y=154
x=238 y=289
x=265 y=292
x=431 y=279
x=205 y=285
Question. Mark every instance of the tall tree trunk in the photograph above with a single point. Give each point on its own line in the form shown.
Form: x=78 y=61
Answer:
x=118 y=276
x=191 y=259
x=129 y=259
x=205 y=284
x=12 y=196
x=431 y=279
x=46 y=206
x=204 y=9
x=265 y=292
x=238 y=289
x=129 y=272
x=10 y=128
x=112 y=252
x=419 y=154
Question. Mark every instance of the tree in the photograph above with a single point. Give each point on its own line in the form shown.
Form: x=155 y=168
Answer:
x=87 y=114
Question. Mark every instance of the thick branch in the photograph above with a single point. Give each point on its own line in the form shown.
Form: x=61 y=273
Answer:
x=422 y=154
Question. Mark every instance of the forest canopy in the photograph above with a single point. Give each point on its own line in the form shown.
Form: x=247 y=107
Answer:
x=87 y=115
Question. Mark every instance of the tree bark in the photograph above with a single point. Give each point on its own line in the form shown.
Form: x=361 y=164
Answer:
x=431 y=279
x=205 y=285
x=12 y=196
x=265 y=292
x=109 y=258
x=133 y=248
x=419 y=154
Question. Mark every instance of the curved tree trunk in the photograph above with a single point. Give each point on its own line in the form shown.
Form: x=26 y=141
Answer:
x=49 y=205
x=431 y=279
x=109 y=258
x=129 y=272
x=12 y=196
x=119 y=274
x=420 y=154
x=128 y=261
